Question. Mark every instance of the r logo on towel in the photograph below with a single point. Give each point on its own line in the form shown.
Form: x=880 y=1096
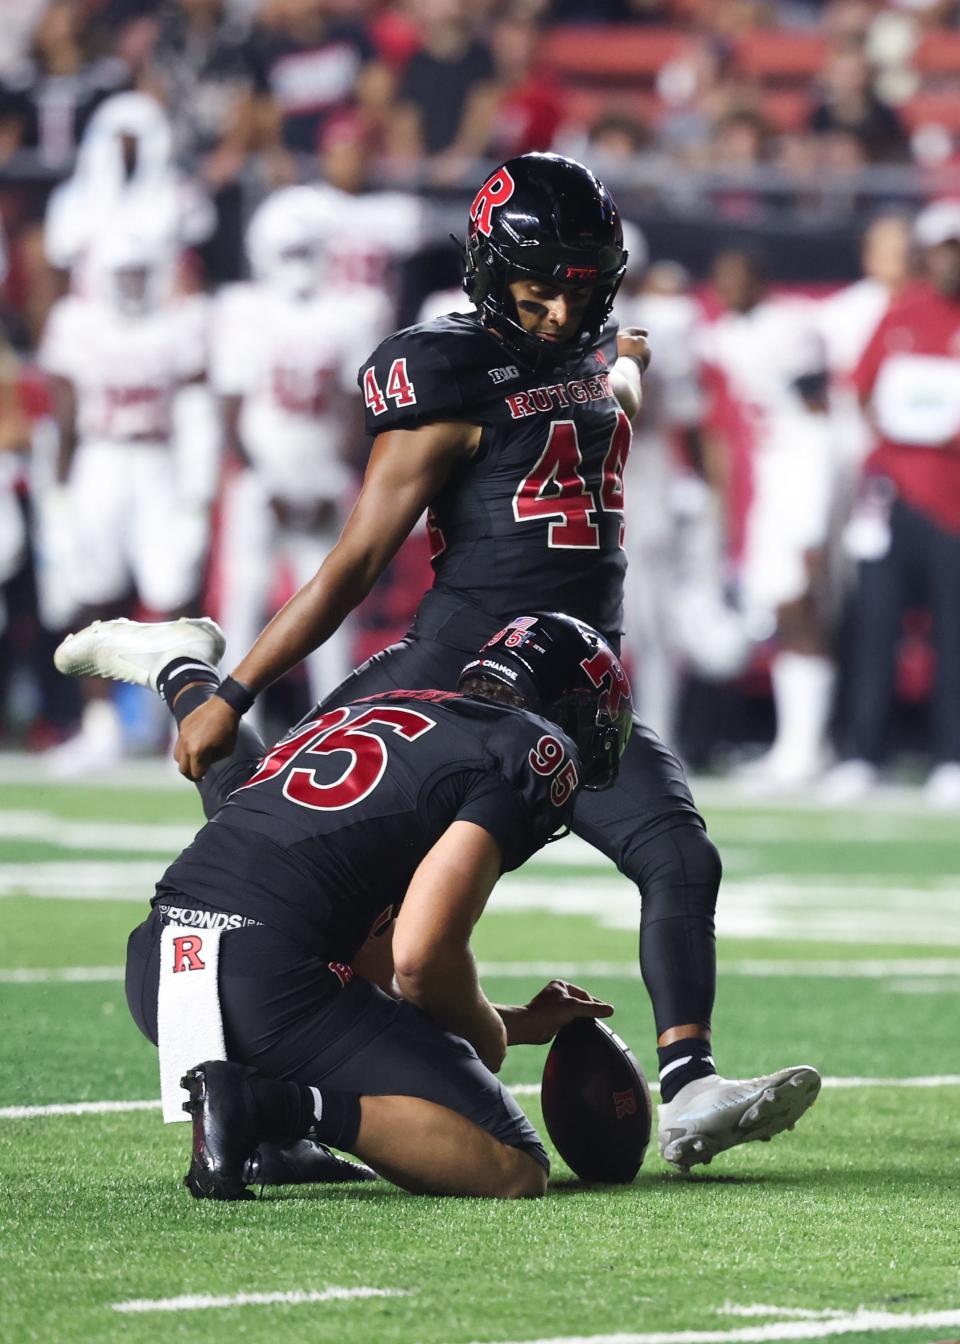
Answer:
x=186 y=954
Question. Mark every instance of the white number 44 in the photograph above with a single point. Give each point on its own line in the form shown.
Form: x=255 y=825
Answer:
x=399 y=388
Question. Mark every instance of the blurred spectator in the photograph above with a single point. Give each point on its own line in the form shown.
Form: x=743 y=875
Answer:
x=18 y=19
x=310 y=65
x=905 y=530
x=849 y=105
x=202 y=72
x=770 y=406
x=47 y=105
x=448 y=98
x=531 y=103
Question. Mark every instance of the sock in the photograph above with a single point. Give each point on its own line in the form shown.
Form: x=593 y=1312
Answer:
x=803 y=696
x=285 y=1111
x=682 y=1062
x=336 y=1117
x=181 y=672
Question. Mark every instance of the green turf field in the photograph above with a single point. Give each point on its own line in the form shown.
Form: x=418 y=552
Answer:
x=840 y=946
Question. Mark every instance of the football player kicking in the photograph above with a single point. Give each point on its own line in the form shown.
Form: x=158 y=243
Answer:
x=403 y=806
x=512 y=425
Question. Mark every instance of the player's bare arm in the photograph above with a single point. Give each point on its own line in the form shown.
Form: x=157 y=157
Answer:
x=406 y=469
x=434 y=965
x=63 y=397
x=435 y=968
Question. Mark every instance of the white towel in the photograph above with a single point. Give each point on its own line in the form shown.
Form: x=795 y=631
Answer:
x=189 y=1022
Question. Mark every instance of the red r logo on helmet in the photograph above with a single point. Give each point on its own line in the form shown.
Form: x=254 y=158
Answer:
x=604 y=664
x=496 y=191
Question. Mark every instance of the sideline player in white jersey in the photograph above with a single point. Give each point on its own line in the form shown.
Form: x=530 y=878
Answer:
x=766 y=356
x=677 y=615
x=137 y=437
x=848 y=318
x=286 y=349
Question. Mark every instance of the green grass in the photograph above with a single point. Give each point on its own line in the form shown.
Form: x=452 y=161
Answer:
x=856 y=1208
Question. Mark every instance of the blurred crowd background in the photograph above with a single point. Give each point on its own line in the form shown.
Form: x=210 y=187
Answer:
x=212 y=210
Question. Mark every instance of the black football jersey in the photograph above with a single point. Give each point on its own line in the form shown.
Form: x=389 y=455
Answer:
x=322 y=841
x=535 y=519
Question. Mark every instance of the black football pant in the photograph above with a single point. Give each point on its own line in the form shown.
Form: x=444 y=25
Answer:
x=646 y=824
x=921 y=566
x=280 y=1016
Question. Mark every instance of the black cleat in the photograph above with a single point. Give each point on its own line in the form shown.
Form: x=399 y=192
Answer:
x=224 y=1129
x=304 y=1162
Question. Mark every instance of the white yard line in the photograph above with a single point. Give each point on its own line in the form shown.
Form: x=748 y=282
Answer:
x=83 y=975
x=847 y=1323
x=922 y=975
x=204 y=1302
x=76 y=1108
x=518 y=1089
x=121 y=836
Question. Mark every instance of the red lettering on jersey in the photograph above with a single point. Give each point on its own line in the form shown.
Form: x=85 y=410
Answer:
x=343 y=973
x=186 y=953
x=519 y=403
x=595 y=389
x=560 y=392
x=372 y=396
x=541 y=398
x=577 y=391
x=545 y=756
x=625 y=1103
x=496 y=191
x=399 y=386
x=605 y=385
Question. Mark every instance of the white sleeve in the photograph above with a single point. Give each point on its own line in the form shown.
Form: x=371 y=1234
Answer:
x=66 y=339
x=370 y=321
x=191 y=335
x=233 y=344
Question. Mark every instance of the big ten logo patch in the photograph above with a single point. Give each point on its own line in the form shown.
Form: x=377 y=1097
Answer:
x=625 y=1103
x=186 y=953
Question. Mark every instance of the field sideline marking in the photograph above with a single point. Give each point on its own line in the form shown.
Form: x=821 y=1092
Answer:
x=843 y=1323
x=518 y=1089
x=204 y=1301
x=912 y=969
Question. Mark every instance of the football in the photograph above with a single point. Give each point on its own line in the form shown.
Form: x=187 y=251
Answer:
x=596 y=1103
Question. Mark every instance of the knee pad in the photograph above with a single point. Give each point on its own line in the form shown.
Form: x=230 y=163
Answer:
x=678 y=873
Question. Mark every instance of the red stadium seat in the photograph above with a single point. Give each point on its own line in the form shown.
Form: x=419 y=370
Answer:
x=773 y=55
x=622 y=52
x=787 y=109
x=941 y=109
x=938 y=53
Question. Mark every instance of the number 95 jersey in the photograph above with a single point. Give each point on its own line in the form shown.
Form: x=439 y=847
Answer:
x=535 y=518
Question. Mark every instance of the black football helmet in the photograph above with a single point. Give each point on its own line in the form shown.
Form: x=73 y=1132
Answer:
x=562 y=669
x=544 y=217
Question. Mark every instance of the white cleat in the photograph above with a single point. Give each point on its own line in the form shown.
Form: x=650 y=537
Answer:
x=712 y=1114
x=138 y=651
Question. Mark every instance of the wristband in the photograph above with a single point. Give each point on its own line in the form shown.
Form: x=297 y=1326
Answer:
x=235 y=694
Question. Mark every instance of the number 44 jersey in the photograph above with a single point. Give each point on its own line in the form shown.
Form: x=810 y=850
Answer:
x=323 y=839
x=535 y=519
